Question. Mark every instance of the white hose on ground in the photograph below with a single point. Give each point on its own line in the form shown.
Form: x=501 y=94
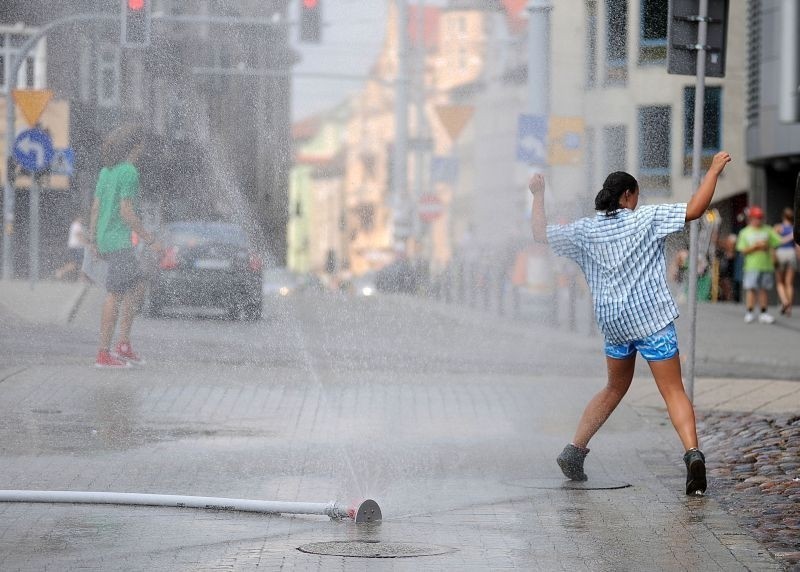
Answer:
x=330 y=509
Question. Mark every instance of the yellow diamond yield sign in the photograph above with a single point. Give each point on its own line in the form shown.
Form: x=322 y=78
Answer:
x=31 y=103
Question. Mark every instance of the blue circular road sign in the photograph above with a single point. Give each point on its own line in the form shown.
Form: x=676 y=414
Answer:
x=33 y=150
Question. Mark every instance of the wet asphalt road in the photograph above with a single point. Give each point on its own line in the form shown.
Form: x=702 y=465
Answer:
x=449 y=418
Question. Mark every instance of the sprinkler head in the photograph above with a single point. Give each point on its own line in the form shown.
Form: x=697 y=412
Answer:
x=367 y=512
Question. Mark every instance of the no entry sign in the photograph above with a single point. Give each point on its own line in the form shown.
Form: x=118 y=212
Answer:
x=430 y=207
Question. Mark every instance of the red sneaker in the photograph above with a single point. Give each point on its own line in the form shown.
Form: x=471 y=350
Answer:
x=106 y=360
x=126 y=353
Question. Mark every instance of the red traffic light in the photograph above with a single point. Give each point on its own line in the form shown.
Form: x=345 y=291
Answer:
x=310 y=4
x=136 y=5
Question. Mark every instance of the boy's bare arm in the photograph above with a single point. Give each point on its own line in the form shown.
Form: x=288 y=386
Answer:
x=130 y=217
x=538 y=218
x=93 y=221
x=699 y=202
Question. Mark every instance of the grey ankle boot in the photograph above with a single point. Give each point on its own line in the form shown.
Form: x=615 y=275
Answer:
x=571 y=462
x=695 y=472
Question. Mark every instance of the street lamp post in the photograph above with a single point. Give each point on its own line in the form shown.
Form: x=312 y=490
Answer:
x=400 y=172
x=697 y=157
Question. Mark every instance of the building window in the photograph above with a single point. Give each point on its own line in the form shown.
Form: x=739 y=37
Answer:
x=753 y=60
x=462 y=58
x=654 y=148
x=30 y=78
x=3 y=60
x=136 y=83
x=108 y=76
x=615 y=148
x=616 y=42
x=32 y=71
x=653 y=32
x=712 y=126
x=591 y=43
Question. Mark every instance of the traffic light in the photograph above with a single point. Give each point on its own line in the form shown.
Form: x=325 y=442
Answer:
x=310 y=21
x=136 y=23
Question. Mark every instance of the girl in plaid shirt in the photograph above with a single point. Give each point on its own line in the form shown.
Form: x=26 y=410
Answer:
x=621 y=253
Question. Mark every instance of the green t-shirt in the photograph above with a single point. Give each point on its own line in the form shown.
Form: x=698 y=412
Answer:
x=760 y=260
x=114 y=184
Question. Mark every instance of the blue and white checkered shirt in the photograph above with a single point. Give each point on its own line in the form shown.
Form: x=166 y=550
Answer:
x=623 y=259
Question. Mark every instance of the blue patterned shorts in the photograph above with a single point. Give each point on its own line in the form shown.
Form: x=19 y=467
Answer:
x=660 y=346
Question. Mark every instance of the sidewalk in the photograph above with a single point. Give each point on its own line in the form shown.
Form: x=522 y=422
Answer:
x=46 y=302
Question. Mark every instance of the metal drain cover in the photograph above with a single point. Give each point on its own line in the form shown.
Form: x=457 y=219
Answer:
x=373 y=549
x=590 y=485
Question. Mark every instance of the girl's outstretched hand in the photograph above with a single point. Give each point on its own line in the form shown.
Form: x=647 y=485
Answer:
x=719 y=161
x=536 y=183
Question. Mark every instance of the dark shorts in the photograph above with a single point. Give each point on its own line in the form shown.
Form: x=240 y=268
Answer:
x=76 y=256
x=123 y=271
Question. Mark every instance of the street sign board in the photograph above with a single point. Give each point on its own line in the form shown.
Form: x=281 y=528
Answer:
x=31 y=103
x=63 y=162
x=566 y=140
x=33 y=150
x=454 y=118
x=532 y=139
x=682 y=28
x=430 y=207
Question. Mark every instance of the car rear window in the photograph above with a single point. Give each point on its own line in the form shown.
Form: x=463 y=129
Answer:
x=197 y=234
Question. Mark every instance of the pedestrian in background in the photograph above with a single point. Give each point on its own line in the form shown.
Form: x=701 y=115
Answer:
x=727 y=255
x=621 y=252
x=786 y=261
x=113 y=219
x=76 y=241
x=756 y=242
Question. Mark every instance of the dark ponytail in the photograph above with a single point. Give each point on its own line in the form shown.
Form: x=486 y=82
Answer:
x=607 y=200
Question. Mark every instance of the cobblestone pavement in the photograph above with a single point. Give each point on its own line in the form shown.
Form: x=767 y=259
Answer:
x=442 y=417
x=758 y=458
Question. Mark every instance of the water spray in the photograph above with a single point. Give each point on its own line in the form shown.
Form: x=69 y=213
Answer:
x=365 y=512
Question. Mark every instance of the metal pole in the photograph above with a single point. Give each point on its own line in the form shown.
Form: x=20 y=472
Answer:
x=697 y=157
x=421 y=131
x=8 y=189
x=33 y=232
x=538 y=60
x=539 y=85
x=400 y=178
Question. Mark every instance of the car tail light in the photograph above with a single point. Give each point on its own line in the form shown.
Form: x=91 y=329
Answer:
x=255 y=263
x=169 y=260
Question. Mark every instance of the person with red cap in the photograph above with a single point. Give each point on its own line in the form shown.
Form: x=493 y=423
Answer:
x=756 y=242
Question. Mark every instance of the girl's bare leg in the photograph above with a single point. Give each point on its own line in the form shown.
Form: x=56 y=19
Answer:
x=780 y=286
x=620 y=375
x=667 y=374
x=789 y=287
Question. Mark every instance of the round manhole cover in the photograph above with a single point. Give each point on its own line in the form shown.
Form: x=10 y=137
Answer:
x=373 y=549
x=590 y=485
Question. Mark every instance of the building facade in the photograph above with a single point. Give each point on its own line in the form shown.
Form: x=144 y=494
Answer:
x=773 y=114
x=213 y=97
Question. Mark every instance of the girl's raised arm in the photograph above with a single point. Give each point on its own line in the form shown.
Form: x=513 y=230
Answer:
x=538 y=218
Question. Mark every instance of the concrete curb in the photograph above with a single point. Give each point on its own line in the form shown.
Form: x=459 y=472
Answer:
x=75 y=304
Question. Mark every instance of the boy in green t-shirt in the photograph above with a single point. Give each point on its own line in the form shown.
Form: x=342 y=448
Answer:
x=756 y=242
x=113 y=219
